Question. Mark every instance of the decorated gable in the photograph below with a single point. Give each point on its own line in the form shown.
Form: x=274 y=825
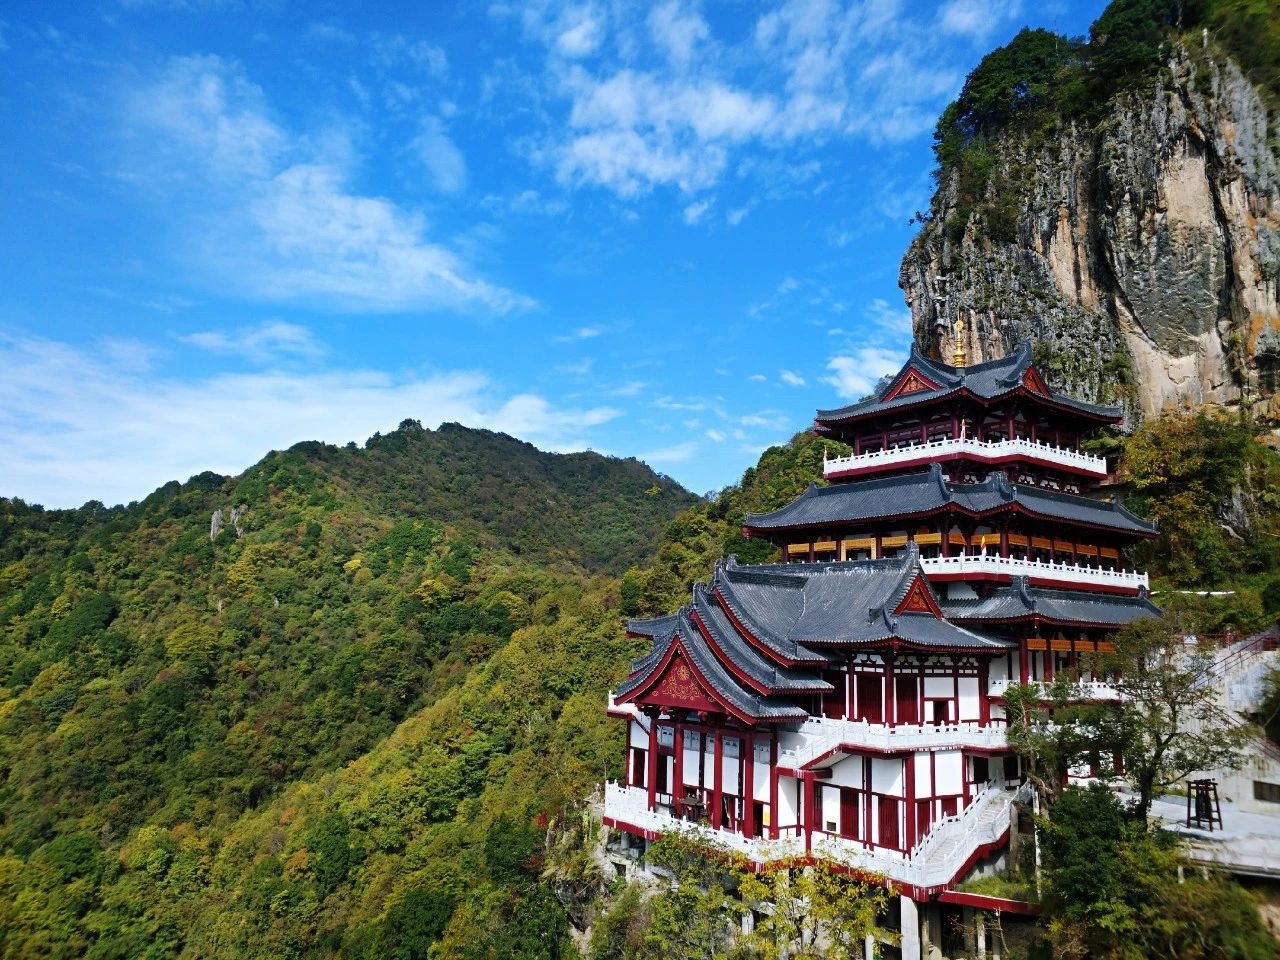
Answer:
x=918 y=599
x=1032 y=380
x=911 y=381
x=679 y=686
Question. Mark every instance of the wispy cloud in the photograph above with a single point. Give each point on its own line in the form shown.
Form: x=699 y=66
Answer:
x=854 y=374
x=679 y=102
x=266 y=343
x=791 y=379
x=271 y=211
x=441 y=157
x=976 y=19
x=582 y=333
x=76 y=426
x=676 y=453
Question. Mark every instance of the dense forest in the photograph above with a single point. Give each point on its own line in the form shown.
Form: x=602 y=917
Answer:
x=340 y=727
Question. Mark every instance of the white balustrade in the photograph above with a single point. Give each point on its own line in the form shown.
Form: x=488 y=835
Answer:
x=978 y=563
x=935 y=861
x=1081 y=689
x=818 y=736
x=980 y=449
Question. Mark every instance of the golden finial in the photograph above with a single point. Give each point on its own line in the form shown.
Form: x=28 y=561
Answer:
x=959 y=359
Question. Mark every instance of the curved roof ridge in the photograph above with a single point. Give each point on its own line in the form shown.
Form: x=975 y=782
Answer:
x=745 y=656
x=784 y=646
x=1076 y=499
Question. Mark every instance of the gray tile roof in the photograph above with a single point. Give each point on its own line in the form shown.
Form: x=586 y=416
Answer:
x=839 y=604
x=917 y=494
x=789 y=608
x=988 y=380
x=1020 y=601
x=744 y=701
x=745 y=657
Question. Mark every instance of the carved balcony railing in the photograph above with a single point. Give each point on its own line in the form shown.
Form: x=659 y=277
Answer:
x=819 y=736
x=994 y=450
x=935 y=863
x=1038 y=571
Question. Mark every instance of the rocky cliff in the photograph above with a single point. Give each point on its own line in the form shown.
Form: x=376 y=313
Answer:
x=1142 y=253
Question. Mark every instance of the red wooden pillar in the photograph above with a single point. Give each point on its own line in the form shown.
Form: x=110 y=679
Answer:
x=748 y=781
x=890 y=692
x=1023 y=667
x=677 y=788
x=773 y=785
x=910 y=792
x=651 y=774
x=984 y=694
x=806 y=778
x=717 y=779
x=867 y=802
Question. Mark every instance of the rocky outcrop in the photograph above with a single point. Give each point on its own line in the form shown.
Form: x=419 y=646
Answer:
x=1142 y=255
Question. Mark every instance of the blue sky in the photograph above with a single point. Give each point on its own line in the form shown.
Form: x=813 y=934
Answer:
x=667 y=230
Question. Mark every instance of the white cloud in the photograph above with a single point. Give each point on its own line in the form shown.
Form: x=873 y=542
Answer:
x=580 y=34
x=677 y=453
x=793 y=379
x=717 y=435
x=695 y=211
x=765 y=421
x=758 y=378
x=579 y=368
x=895 y=321
x=808 y=72
x=974 y=18
x=441 y=157
x=854 y=374
x=582 y=333
x=737 y=215
x=271 y=212
x=268 y=342
x=74 y=426
x=677 y=31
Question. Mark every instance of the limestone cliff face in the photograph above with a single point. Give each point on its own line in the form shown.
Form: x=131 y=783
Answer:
x=1143 y=255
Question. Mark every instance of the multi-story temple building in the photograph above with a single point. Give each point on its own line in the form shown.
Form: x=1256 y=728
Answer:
x=846 y=701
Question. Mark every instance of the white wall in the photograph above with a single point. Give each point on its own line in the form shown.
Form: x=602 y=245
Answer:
x=638 y=737
x=886 y=776
x=948 y=767
x=969 y=698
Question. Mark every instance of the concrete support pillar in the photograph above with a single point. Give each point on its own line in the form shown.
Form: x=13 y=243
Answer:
x=910 y=929
x=980 y=932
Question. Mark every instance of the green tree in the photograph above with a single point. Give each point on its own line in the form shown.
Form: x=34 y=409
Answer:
x=1167 y=723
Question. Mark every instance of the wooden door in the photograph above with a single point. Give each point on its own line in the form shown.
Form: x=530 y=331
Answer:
x=908 y=704
x=850 y=815
x=870 y=691
x=889 y=834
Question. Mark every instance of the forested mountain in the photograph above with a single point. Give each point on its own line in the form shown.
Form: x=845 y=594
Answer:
x=171 y=665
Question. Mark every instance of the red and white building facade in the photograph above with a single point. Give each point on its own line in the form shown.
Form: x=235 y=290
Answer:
x=846 y=701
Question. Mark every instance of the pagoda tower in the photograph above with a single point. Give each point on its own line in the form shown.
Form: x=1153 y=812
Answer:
x=846 y=701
